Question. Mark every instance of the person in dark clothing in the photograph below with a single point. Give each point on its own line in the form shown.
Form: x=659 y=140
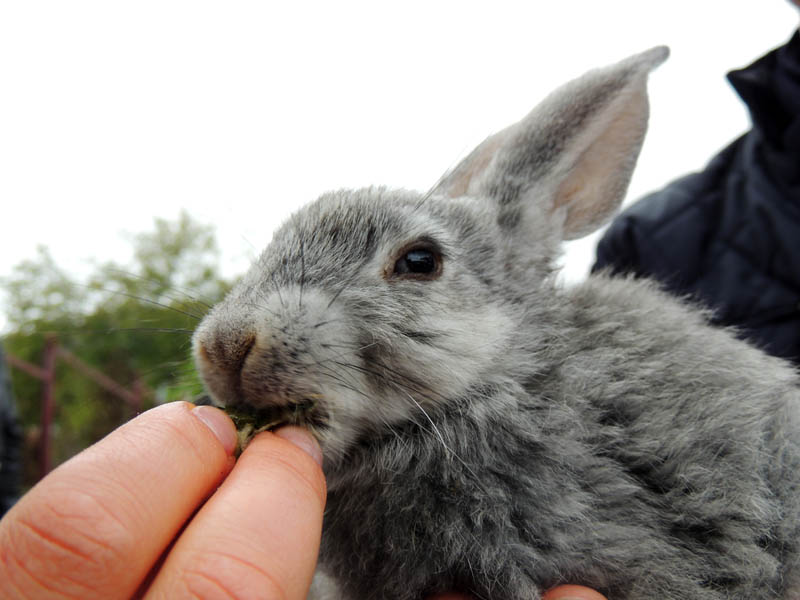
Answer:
x=10 y=442
x=729 y=236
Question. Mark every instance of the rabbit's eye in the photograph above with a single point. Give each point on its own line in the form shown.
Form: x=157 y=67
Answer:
x=420 y=262
x=416 y=261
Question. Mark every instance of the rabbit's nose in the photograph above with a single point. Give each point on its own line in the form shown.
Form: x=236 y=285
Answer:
x=220 y=355
x=226 y=353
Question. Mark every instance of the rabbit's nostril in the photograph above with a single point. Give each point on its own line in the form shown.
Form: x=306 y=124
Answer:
x=241 y=350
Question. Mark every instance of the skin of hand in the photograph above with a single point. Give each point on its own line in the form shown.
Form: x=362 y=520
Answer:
x=572 y=592
x=562 y=592
x=160 y=509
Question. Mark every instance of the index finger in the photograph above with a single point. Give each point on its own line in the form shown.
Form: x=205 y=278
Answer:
x=258 y=535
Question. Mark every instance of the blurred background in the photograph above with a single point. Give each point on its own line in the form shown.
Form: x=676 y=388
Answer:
x=149 y=149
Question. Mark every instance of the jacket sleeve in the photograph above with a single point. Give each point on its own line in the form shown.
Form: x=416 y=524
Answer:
x=618 y=249
x=658 y=235
x=665 y=235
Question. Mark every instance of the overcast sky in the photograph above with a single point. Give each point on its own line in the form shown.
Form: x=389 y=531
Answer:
x=113 y=113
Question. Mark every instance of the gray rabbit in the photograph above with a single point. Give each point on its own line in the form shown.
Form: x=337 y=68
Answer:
x=486 y=430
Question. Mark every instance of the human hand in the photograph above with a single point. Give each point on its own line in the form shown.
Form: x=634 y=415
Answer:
x=562 y=592
x=121 y=519
x=572 y=592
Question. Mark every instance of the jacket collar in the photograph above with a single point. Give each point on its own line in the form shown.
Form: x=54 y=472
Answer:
x=771 y=89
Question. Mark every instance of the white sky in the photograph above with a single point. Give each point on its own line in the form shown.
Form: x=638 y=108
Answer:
x=112 y=113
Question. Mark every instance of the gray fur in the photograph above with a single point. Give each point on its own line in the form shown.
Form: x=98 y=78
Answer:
x=489 y=432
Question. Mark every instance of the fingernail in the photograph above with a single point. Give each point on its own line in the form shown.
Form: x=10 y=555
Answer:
x=220 y=425
x=303 y=440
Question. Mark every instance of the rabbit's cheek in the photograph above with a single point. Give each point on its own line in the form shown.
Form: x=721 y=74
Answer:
x=463 y=345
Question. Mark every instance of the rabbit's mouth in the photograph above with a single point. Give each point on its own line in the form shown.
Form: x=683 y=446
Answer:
x=303 y=412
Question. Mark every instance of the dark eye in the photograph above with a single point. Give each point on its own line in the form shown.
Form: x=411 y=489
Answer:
x=418 y=263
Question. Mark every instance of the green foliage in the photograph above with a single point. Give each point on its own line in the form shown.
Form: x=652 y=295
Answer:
x=39 y=291
x=131 y=323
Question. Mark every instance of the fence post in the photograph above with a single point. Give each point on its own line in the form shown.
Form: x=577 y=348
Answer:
x=48 y=401
x=138 y=395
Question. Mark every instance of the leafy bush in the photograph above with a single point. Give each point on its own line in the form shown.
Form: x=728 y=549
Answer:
x=132 y=323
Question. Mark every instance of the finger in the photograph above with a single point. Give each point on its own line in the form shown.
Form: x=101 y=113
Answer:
x=94 y=527
x=562 y=592
x=572 y=592
x=258 y=535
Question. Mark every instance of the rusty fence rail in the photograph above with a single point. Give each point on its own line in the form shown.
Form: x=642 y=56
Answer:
x=46 y=373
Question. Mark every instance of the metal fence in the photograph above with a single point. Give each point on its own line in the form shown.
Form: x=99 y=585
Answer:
x=46 y=372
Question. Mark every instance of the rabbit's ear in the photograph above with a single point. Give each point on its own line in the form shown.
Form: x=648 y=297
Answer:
x=573 y=155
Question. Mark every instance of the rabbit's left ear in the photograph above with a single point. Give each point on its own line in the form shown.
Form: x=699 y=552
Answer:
x=573 y=155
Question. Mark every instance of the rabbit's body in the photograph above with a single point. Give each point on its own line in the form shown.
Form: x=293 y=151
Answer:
x=677 y=480
x=487 y=431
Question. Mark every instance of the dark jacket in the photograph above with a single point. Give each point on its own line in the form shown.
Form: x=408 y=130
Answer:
x=10 y=442
x=730 y=235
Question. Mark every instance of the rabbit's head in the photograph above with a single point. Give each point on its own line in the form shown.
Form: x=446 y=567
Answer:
x=369 y=307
